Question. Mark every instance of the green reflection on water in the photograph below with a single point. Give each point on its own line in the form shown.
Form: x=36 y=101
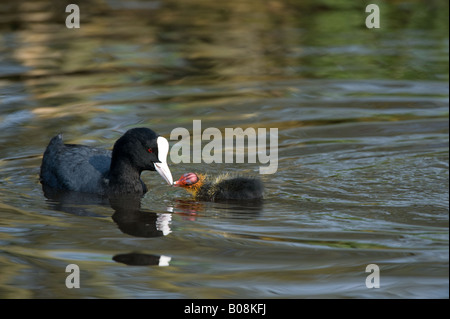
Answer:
x=363 y=122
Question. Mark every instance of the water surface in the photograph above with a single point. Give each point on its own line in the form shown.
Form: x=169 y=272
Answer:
x=362 y=118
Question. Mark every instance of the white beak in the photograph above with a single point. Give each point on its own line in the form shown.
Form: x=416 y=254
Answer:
x=164 y=171
x=162 y=168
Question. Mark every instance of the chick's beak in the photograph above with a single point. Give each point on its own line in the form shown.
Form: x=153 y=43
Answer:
x=181 y=182
x=186 y=180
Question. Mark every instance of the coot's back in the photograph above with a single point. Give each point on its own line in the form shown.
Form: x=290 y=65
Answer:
x=75 y=167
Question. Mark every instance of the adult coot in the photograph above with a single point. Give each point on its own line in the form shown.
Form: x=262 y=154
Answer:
x=87 y=169
x=223 y=187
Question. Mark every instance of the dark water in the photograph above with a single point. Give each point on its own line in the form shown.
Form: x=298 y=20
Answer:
x=362 y=118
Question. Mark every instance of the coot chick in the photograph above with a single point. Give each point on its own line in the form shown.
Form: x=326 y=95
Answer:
x=224 y=187
x=87 y=169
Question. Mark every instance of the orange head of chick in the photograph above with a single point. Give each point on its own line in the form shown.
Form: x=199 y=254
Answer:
x=191 y=182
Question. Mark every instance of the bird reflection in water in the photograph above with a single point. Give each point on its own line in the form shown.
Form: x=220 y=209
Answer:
x=138 y=259
x=133 y=220
x=130 y=218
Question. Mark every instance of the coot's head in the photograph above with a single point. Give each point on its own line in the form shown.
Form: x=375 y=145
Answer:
x=144 y=150
x=187 y=180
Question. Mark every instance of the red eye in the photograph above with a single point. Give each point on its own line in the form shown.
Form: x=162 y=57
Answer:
x=150 y=150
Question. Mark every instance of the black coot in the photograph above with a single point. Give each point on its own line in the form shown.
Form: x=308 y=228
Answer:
x=223 y=187
x=87 y=169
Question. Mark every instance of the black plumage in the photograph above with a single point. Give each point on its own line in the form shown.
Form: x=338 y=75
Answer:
x=87 y=169
x=223 y=187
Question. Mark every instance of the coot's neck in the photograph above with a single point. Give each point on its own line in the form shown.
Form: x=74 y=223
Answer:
x=124 y=178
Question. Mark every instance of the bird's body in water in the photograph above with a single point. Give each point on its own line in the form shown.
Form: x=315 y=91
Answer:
x=86 y=169
x=223 y=187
